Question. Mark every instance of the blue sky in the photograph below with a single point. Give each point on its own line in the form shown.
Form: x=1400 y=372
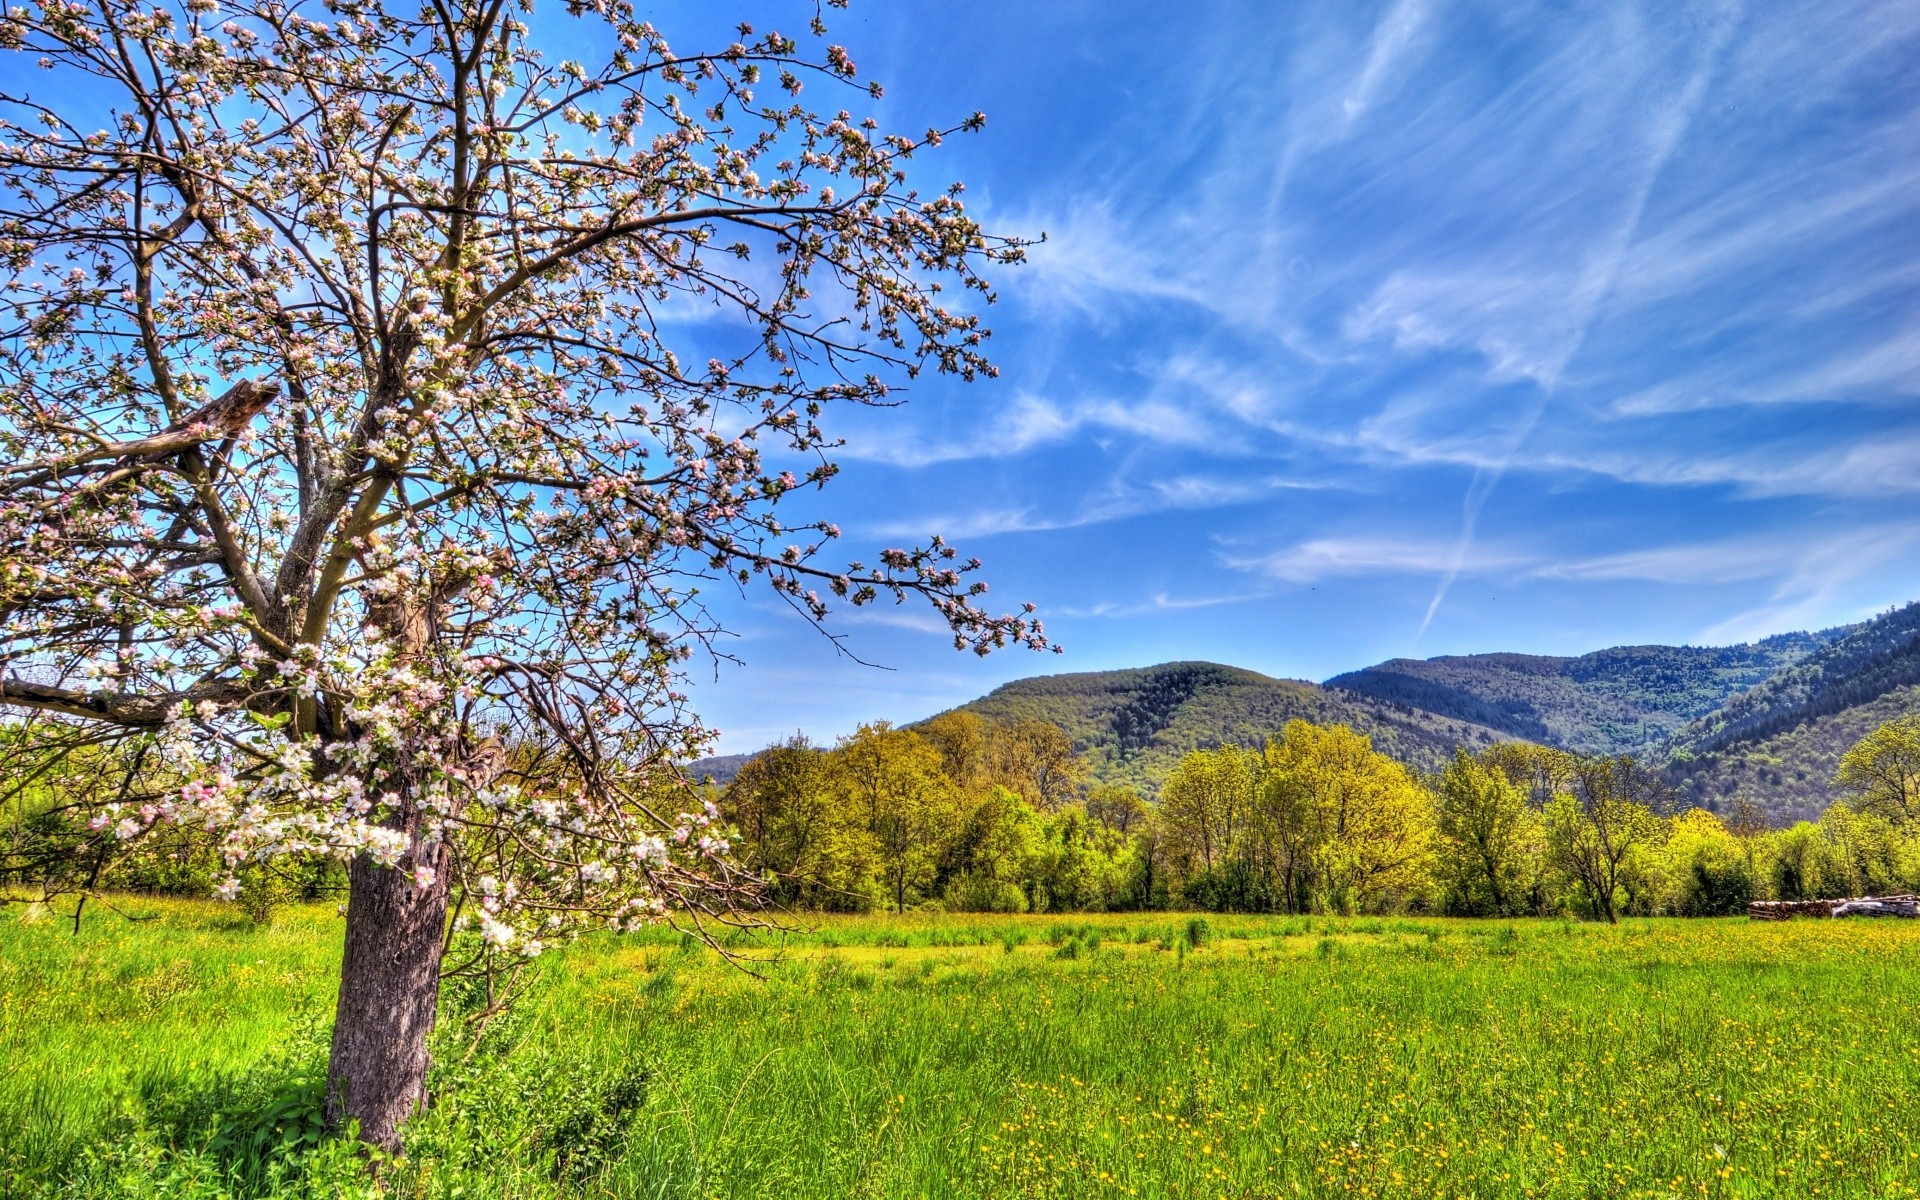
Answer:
x=1414 y=328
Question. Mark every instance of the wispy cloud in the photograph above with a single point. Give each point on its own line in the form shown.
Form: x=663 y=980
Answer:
x=1159 y=602
x=1124 y=498
x=1319 y=559
x=1813 y=584
x=1393 y=38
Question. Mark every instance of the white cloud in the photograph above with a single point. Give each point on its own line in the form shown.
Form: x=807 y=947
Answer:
x=1815 y=581
x=1091 y=258
x=1334 y=557
x=1122 y=499
x=1394 y=38
x=1028 y=422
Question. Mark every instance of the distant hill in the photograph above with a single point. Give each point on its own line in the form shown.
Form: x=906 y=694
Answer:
x=1778 y=743
x=1862 y=664
x=1766 y=721
x=1133 y=725
x=1785 y=773
x=721 y=768
x=1628 y=699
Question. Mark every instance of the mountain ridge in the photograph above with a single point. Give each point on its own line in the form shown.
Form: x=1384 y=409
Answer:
x=1133 y=724
x=1762 y=722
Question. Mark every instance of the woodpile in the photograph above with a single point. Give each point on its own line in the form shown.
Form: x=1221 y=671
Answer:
x=1864 y=906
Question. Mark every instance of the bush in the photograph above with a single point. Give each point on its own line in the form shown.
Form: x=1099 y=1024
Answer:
x=984 y=893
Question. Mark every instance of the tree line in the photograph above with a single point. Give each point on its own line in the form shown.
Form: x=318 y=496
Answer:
x=969 y=814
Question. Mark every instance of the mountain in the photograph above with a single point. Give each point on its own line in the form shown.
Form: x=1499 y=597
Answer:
x=1864 y=663
x=1777 y=744
x=1628 y=699
x=1133 y=725
x=1765 y=723
x=720 y=768
x=1785 y=773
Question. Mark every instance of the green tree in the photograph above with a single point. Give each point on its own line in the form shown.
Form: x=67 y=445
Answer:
x=1081 y=864
x=1034 y=758
x=1542 y=772
x=1598 y=834
x=1490 y=838
x=1204 y=806
x=898 y=783
x=1370 y=824
x=1117 y=807
x=1873 y=854
x=1804 y=863
x=961 y=737
x=1882 y=771
x=797 y=828
x=1704 y=869
x=991 y=861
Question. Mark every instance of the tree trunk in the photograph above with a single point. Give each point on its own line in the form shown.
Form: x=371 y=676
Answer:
x=389 y=987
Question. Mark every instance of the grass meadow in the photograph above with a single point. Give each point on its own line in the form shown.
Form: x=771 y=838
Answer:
x=947 y=1056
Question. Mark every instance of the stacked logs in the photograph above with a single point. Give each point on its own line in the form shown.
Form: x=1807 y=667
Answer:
x=1865 y=906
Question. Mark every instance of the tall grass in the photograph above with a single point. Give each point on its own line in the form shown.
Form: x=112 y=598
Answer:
x=969 y=1056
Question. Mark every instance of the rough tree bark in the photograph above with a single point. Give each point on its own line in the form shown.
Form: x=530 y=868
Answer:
x=389 y=989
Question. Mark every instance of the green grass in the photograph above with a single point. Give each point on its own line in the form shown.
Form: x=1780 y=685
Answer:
x=1002 y=1056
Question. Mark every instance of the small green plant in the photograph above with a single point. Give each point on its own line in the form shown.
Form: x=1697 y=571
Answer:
x=1198 y=931
x=591 y=1132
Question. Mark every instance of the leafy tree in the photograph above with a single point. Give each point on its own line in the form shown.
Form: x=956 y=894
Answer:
x=992 y=859
x=1598 y=832
x=1205 y=803
x=910 y=808
x=1490 y=839
x=1805 y=864
x=355 y=444
x=961 y=737
x=1872 y=855
x=1705 y=869
x=1036 y=759
x=1542 y=772
x=1882 y=771
x=1117 y=807
x=796 y=828
x=1370 y=823
x=1080 y=864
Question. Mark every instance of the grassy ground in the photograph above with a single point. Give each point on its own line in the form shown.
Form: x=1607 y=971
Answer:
x=961 y=1056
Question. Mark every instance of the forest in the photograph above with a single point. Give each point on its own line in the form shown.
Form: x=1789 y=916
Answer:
x=968 y=814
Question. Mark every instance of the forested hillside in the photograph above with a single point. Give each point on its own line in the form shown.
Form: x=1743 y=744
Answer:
x=1627 y=699
x=720 y=768
x=1133 y=725
x=1869 y=661
x=1765 y=722
x=1786 y=774
x=1778 y=743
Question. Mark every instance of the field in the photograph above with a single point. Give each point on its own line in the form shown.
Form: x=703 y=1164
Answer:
x=953 y=1056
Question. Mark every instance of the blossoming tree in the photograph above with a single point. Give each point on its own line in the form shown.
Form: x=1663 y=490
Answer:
x=376 y=394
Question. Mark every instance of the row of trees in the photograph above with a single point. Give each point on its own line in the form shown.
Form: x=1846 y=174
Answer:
x=974 y=815
x=893 y=817
x=982 y=816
